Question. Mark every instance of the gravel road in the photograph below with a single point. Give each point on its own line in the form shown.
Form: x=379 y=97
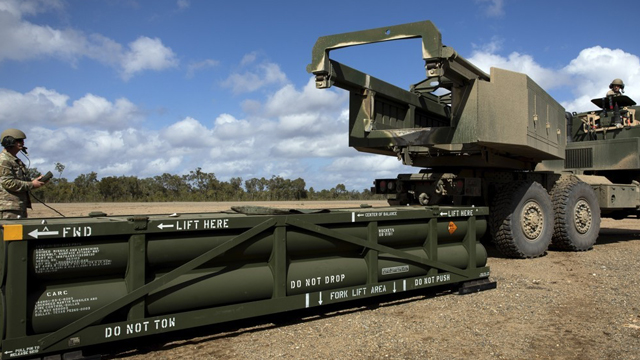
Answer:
x=565 y=305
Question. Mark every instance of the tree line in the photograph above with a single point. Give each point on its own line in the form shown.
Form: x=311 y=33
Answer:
x=195 y=186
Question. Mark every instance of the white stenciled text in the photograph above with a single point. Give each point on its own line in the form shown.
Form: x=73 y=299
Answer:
x=139 y=327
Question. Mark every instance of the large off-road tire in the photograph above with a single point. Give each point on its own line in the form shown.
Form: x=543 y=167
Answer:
x=577 y=215
x=521 y=220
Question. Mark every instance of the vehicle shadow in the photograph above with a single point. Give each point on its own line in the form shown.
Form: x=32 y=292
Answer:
x=615 y=235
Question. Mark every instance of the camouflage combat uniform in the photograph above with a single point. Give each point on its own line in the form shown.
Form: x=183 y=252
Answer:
x=14 y=192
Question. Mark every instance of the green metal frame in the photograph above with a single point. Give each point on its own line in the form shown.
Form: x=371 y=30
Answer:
x=84 y=331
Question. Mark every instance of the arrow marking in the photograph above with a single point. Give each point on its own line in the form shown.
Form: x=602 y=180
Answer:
x=45 y=232
x=162 y=226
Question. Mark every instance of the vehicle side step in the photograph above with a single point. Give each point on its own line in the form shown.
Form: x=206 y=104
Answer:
x=476 y=285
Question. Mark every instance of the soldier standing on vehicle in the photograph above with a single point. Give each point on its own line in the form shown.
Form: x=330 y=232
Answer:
x=616 y=88
x=14 y=181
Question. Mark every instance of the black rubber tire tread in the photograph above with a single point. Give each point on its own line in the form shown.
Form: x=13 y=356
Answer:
x=564 y=195
x=505 y=225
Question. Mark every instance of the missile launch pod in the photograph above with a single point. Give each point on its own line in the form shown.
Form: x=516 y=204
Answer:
x=70 y=283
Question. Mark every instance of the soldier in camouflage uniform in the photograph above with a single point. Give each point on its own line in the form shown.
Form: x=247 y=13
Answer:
x=15 y=185
x=616 y=88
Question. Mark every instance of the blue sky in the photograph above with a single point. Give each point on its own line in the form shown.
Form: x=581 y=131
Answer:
x=140 y=88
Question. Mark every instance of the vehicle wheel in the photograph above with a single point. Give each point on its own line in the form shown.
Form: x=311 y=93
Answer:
x=577 y=215
x=522 y=220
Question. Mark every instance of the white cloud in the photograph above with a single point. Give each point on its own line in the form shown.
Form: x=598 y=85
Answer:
x=193 y=67
x=103 y=144
x=29 y=7
x=356 y=164
x=312 y=147
x=92 y=109
x=249 y=58
x=126 y=151
x=594 y=69
x=287 y=143
x=244 y=168
x=117 y=169
x=546 y=78
x=587 y=76
x=225 y=119
x=22 y=40
x=87 y=149
x=491 y=47
x=493 y=8
x=228 y=127
x=302 y=124
x=188 y=133
x=147 y=54
x=183 y=4
x=289 y=101
x=44 y=106
x=161 y=165
x=358 y=170
x=259 y=76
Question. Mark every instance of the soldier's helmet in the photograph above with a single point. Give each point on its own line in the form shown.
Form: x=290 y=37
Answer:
x=617 y=82
x=9 y=136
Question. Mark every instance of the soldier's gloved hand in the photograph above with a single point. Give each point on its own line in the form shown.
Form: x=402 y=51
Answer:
x=37 y=183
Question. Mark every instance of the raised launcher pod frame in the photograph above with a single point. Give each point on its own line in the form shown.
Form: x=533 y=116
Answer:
x=70 y=283
x=501 y=120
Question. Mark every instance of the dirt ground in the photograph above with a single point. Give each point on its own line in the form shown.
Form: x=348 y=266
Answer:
x=83 y=209
x=565 y=305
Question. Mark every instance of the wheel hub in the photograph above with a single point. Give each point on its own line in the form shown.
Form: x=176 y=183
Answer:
x=582 y=216
x=532 y=220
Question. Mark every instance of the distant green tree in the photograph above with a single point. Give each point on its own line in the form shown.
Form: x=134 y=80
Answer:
x=86 y=188
x=33 y=173
x=204 y=186
x=59 y=169
x=58 y=190
x=174 y=187
x=251 y=189
x=235 y=190
x=298 y=188
x=111 y=189
x=195 y=186
x=276 y=187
